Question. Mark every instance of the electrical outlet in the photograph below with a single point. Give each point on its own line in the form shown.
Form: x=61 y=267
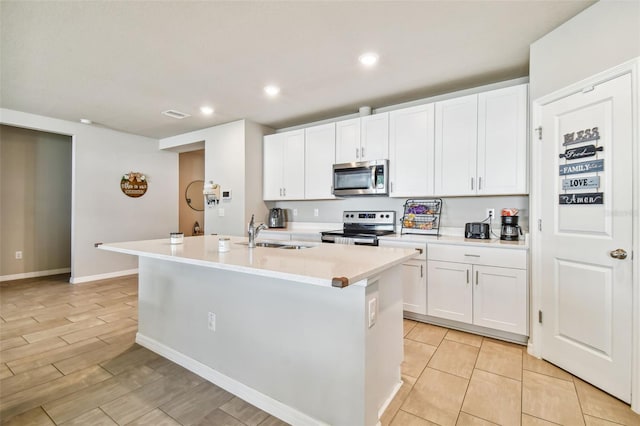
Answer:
x=211 y=321
x=373 y=311
x=491 y=213
x=221 y=211
x=316 y=212
x=18 y=255
x=295 y=212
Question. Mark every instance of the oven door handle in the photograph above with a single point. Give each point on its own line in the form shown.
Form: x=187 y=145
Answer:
x=373 y=177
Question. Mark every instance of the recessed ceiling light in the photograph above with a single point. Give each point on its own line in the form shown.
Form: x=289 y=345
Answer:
x=206 y=110
x=272 y=90
x=85 y=121
x=368 y=59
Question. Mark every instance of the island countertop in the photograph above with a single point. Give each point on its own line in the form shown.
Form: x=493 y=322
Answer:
x=319 y=264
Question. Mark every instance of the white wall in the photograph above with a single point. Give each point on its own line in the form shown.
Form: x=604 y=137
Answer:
x=100 y=211
x=233 y=159
x=603 y=36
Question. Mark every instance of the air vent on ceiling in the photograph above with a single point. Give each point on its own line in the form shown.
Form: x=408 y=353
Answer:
x=176 y=114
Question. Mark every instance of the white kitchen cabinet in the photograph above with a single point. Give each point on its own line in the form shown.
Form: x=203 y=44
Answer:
x=411 y=151
x=481 y=143
x=449 y=293
x=482 y=286
x=320 y=152
x=499 y=298
x=414 y=277
x=502 y=141
x=362 y=139
x=456 y=141
x=283 y=166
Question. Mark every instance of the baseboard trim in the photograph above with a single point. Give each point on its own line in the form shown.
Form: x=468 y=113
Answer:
x=252 y=396
x=78 y=280
x=34 y=274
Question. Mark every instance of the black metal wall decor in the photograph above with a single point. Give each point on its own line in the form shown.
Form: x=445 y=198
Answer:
x=582 y=198
x=571 y=167
x=581 y=152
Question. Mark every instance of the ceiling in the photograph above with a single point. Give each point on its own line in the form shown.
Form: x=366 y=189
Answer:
x=120 y=64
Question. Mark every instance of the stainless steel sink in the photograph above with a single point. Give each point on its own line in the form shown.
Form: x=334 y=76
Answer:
x=274 y=245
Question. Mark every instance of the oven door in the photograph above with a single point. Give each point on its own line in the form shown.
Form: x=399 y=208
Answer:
x=364 y=178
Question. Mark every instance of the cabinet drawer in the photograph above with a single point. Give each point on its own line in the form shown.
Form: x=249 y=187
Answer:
x=490 y=256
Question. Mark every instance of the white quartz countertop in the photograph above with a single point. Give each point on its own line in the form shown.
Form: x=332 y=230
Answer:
x=317 y=265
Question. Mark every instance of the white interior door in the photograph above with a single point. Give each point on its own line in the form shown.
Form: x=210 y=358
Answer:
x=586 y=213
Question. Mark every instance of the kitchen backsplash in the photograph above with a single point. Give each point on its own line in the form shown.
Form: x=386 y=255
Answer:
x=455 y=213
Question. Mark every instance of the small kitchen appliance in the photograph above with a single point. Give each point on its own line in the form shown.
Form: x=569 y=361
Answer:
x=276 y=218
x=477 y=230
x=362 y=228
x=510 y=230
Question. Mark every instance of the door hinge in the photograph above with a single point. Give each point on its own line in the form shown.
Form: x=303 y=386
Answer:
x=540 y=225
x=539 y=130
x=540 y=317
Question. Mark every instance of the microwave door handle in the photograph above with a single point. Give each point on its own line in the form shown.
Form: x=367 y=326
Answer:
x=373 y=177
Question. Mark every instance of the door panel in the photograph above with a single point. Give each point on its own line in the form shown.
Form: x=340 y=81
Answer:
x=449 y=292
x=585 y=321
x=586 y=293
x=500 y=298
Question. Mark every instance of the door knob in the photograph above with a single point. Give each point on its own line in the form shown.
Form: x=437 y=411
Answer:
x=618 y=254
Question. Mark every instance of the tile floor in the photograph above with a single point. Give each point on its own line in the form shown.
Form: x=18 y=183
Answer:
x=68 y=357
x=456 y=378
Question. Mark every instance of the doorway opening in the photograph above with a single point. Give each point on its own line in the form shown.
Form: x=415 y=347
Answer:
x=191 y=200
x=35 y=203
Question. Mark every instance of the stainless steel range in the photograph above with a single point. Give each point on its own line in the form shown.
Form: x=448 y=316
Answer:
x=362 y=228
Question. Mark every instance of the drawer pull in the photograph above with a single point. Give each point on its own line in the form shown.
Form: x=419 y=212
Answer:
x=472 y=255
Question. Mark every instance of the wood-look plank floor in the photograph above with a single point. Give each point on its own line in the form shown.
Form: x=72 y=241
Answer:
x=68 y=357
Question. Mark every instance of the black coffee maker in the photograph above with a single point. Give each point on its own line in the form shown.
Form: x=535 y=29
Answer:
x=510 y=230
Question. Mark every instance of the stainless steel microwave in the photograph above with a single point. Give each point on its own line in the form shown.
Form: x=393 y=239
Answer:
x=363 y=178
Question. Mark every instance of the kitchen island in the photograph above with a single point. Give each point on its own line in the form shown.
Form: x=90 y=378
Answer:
x=312 y=335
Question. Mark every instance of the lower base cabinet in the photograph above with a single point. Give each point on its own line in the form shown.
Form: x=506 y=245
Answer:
x=488 y=290
x=414 y=277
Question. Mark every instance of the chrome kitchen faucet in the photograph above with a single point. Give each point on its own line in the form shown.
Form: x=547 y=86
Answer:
x=253 y=232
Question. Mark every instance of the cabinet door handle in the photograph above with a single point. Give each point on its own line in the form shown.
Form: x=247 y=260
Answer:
x=390 y=186
x=479 y=183
x=476 y=277
x=281 y=192
x=467 y=276
x=362 y=152
x=472 y=184
x=357 y=152
x=421 y=271
x=472 y=255
x=284 y=191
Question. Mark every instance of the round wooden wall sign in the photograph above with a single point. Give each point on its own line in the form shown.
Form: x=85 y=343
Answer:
x=134 y=184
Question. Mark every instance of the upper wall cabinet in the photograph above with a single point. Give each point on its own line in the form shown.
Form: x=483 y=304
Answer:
x=363 y=139
x=481 y=142
x=502 y=141
x=283 y=166
x=411 y=145
x=320 y=153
